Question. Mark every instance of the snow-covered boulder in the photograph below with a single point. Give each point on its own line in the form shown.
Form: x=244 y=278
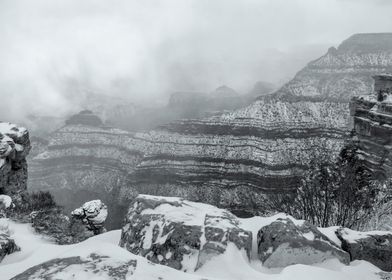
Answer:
x=5 y=203
x=287 y=241
x=93 y=214
x=179 y=233
x=373 y=246
x=7 y=245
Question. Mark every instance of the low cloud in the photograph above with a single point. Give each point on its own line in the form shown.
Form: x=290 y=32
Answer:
x=53 y=53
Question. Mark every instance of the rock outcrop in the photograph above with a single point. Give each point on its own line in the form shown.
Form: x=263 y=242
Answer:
x=179 y=233
x=93 y=214
x=372 y=116
x=374 y=247
x=14 y=147
x=85 y=117
x=283 y=243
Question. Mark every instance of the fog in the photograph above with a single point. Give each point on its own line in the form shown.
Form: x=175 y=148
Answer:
x=53 y=53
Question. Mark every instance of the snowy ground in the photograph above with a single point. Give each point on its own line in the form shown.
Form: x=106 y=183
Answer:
x=232 y=265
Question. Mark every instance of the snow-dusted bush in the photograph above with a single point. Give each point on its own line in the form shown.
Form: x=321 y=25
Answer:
x=333 y=193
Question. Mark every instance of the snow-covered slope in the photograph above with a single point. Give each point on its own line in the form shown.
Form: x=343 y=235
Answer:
x=101 y=258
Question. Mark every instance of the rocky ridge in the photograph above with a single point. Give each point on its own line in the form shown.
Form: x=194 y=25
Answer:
x=186 y=235
x=343 y=72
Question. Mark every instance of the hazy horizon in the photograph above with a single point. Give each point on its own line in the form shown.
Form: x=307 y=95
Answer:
x=53 y=52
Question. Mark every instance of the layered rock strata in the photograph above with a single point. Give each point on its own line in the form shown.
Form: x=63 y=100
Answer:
x=83 y=162
x=235 y=159
x=372 y=116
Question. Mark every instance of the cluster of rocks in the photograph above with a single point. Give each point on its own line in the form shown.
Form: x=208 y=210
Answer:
x=14 y=147
x=7 y=244
x=84 y=222
x=185 y=235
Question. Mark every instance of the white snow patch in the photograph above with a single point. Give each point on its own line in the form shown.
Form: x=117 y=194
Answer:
x=5 y=200
x=352 y=236
x=232 y=265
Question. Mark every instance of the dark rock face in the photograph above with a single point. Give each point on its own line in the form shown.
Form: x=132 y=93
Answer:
x=374 y=247
x=14 y=147
x=7 y=245
x=100 y=265
x=85 y=117
x=284 y=243
x=373 y=126
x=179 y=233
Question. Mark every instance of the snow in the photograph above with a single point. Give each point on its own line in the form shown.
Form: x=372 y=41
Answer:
x=12 y=129
x=232 y=265
x=352 y=236
x=6 y=200
x=192 y=213
x=330 y=233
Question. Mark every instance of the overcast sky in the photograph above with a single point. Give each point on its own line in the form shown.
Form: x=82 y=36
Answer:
x=144 y=49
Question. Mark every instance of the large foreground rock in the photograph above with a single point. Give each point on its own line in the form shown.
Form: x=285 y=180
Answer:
x=374 y=247
x=179 y=233
x=286 y=242
x=98 y=266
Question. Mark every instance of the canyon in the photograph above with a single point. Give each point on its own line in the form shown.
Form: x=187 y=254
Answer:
x=231 y=160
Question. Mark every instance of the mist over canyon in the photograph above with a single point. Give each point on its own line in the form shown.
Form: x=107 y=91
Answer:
x=195 y=139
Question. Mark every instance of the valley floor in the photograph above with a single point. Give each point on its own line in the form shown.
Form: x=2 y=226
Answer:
x=232 y=265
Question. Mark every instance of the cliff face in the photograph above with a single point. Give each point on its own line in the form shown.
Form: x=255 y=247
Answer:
x=343 y=72
x=84 y=162
x=14 y=147
x=373 y=126
x=234 y=159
